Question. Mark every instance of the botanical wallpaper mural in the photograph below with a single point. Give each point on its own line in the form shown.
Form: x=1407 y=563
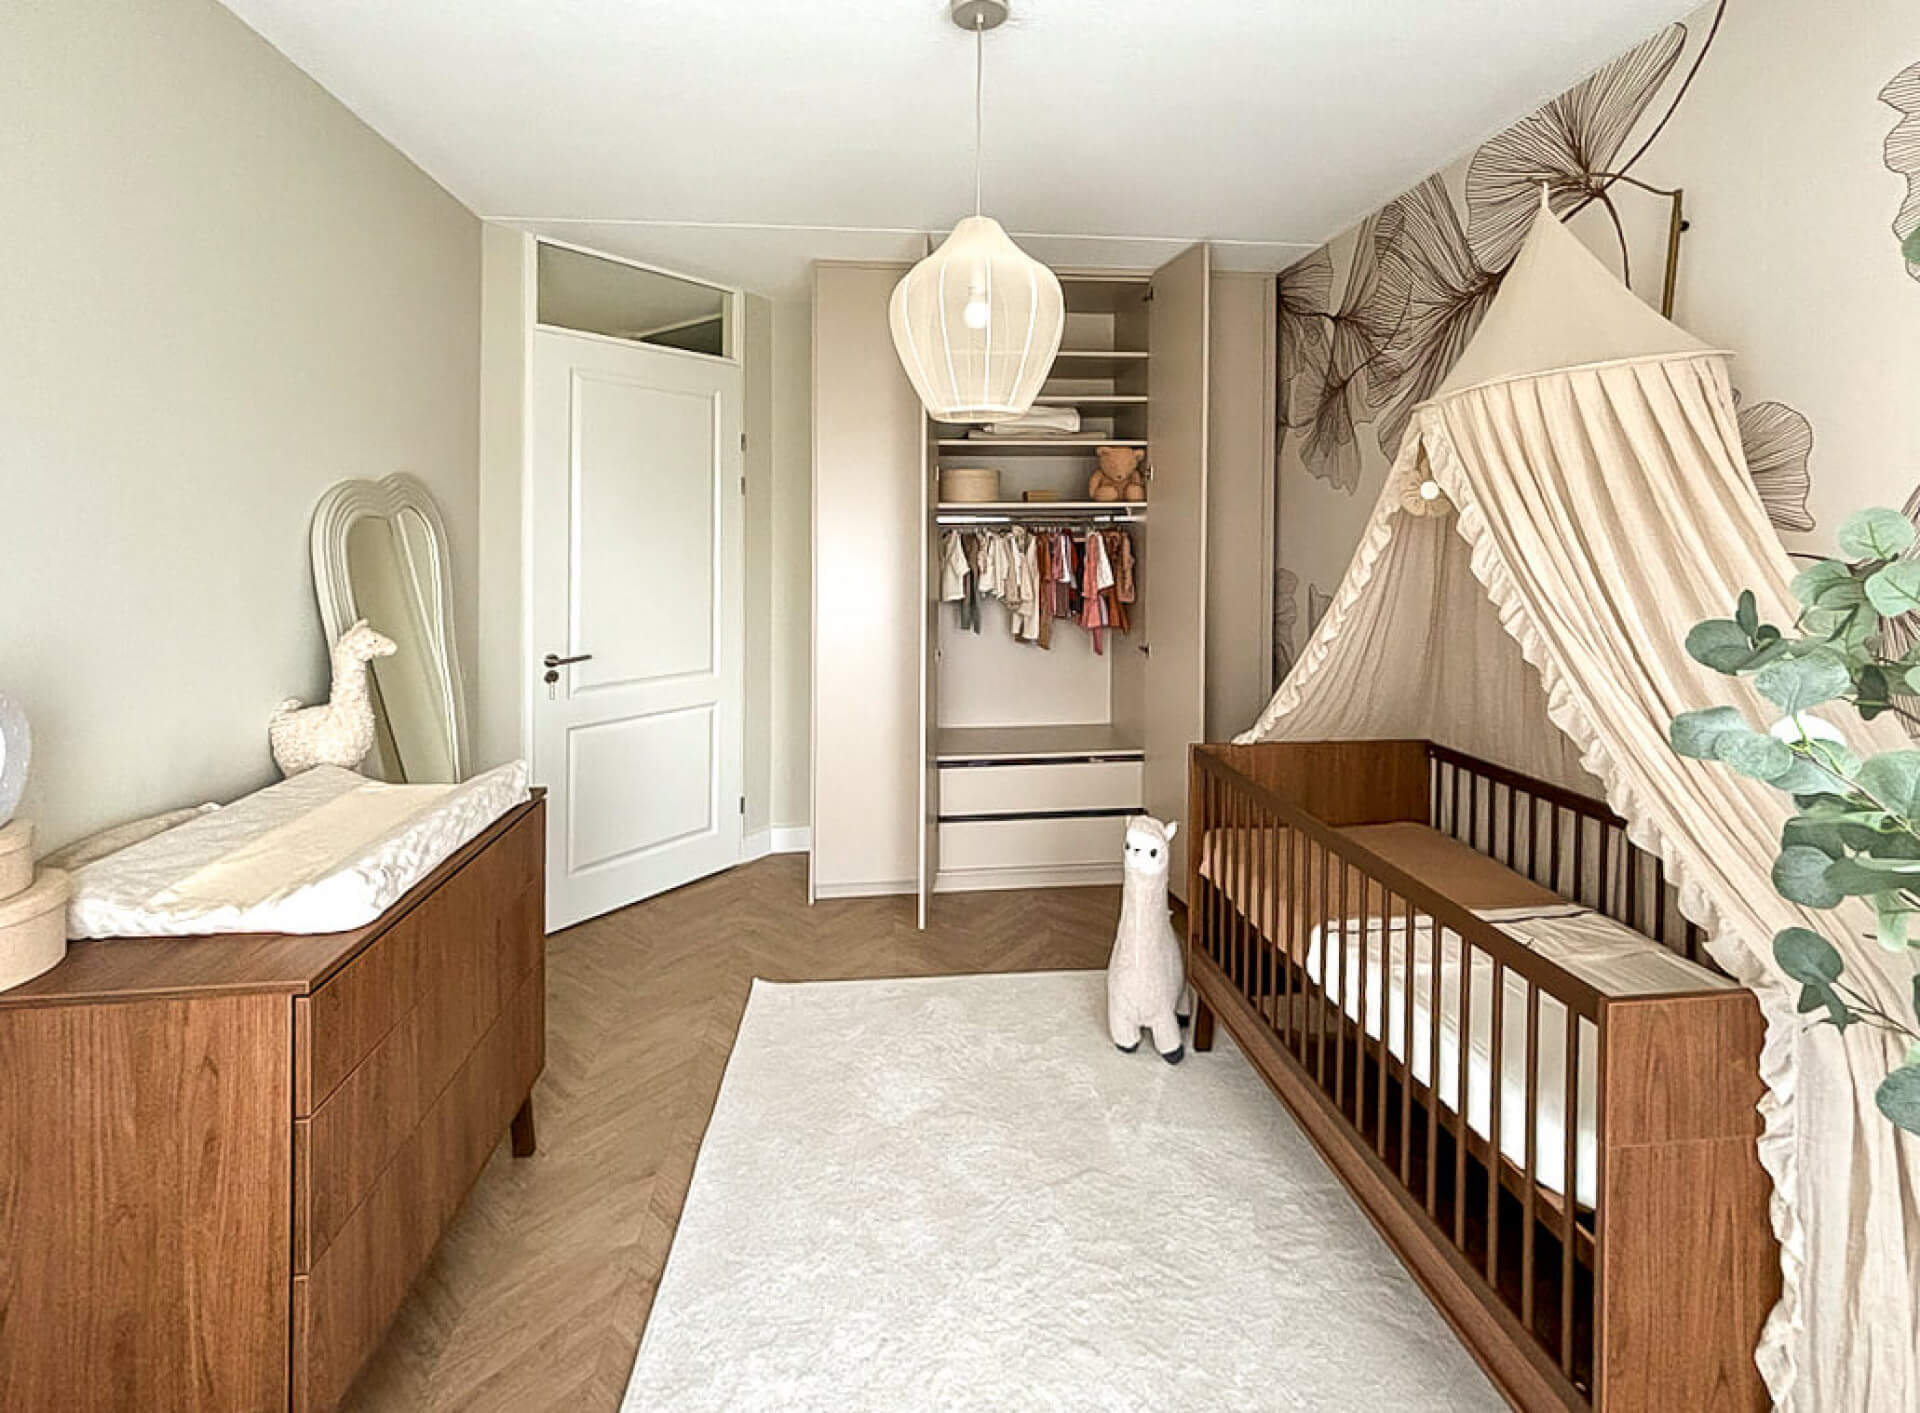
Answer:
x=1370 y=323
x=1902 y=154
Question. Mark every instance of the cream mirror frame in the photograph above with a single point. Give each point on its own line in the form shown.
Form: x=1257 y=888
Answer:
x=380 y=552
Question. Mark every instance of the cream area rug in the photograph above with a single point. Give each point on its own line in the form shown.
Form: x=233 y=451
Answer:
x=954 y=1193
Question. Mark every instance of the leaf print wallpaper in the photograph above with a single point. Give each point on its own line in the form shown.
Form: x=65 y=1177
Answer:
x=1789 y=127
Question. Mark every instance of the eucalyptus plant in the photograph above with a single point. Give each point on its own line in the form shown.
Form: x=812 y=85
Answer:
x=1856 y=829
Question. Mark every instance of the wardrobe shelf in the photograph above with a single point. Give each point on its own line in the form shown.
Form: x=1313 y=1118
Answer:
x=1034 y=446
x=959 y=744
x=1041 y=507
x=1096 y=362
x=1090 y=400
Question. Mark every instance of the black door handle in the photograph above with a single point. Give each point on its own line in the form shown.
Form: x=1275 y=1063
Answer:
x=551 y=661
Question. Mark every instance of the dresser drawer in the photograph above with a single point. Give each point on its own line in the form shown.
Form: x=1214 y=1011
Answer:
x=342 y=1306
x=1031 y=843
x=1016 y=789
x=339 y=1025
x=481 y=948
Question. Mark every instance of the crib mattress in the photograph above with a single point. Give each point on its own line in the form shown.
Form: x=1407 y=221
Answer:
x=1608 y=955
x=1464 y=874
x=325 y=851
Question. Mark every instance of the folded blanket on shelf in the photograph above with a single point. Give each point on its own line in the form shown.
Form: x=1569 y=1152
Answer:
x=1042 y=420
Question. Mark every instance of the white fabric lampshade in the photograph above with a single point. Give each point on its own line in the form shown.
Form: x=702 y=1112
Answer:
x=977 y=324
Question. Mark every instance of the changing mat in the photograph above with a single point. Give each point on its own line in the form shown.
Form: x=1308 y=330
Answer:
x=325 y=851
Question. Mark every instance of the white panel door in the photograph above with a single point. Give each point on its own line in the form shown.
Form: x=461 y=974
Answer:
x=635 y=514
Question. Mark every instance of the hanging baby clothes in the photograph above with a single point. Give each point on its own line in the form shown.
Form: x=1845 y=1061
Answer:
x=1119 y=547
x=1096 y=576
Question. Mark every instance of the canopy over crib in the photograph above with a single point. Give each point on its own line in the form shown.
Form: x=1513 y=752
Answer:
x=1569 y=503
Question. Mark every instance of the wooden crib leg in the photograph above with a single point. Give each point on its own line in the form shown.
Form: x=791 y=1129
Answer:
x=523 y=1129
x=1202 y=1025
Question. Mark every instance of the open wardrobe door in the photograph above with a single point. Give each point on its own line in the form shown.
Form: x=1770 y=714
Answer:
x=1174 y=561
x=929 y=857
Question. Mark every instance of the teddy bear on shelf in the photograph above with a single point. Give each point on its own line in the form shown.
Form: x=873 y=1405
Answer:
x=1147 y=973
x=1120 y=476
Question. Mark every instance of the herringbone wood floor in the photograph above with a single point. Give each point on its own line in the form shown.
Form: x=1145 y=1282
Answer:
x=537 y=1297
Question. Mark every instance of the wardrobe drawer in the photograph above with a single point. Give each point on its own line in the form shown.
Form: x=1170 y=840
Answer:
x=1031 y=843
x=1018 y=789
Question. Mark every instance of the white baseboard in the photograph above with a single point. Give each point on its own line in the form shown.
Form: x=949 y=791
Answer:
x=886 y=888
x=978 y=880
x=780 y=839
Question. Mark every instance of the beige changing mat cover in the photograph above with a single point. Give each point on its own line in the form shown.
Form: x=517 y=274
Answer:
x=324 y=851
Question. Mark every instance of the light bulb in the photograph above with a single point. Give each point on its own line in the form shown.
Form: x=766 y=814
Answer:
x=1429 y=489
x=975 y=314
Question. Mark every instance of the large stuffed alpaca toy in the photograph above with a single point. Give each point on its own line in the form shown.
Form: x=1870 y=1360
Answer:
x=1147 y=974
x=340 y=731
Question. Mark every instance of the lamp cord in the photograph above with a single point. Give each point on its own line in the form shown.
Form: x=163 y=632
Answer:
x=979 y=64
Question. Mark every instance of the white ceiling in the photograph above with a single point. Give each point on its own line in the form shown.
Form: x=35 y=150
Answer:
x=737 y=139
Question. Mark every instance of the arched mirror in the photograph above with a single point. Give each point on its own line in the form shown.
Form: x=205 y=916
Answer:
x=380 y=553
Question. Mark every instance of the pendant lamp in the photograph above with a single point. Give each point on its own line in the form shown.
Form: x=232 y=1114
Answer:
x=978 y=322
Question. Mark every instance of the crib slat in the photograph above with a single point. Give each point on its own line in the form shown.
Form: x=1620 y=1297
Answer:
x=1554 y=847
x=1569 y=1188
x=1321 y=922
x=1513 y=809
x=1406 y=1061
x=1532 y=1094
x=1606 y=883
x=1496 y=1090
x=1462 y=1049
x=1338 y=986
x=1433 y=1069
x=1386 y=1025
x=1291 y=1035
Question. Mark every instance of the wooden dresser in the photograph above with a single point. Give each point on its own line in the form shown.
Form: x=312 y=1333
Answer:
x=223 y=1160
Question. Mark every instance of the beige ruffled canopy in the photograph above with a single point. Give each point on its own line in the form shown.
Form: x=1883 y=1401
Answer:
x=1570 y=502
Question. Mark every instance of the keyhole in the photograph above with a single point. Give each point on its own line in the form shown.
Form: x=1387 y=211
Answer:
x=550 y=677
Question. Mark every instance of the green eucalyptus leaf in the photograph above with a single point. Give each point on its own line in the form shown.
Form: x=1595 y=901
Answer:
x=1719 y=643
x=1804 y=833
x=1912 y=678
x=1855 y=877
x=1913 y=1053
x=1696 y=733
x=1891 y=923
x=1829 y=584
x=1802 y=778
x=1796 y=683
x=1892 y=779
x=1899 y=1097
x=1754 y=754
x=1812 y=998
x=1895 y=589
x=1807 y=957
x=1875 y=533
x=1910 y=247
x=1916 y=996
x=1747 y=613
x=1800 y=875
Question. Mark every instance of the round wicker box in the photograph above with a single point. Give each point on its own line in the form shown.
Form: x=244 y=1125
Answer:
x=969 y=483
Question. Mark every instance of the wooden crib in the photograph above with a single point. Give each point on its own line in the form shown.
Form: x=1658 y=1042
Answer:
x=1611 y=1248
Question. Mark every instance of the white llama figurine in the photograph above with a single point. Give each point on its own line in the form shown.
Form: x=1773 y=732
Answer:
x=1147 y=974
x=341 y=732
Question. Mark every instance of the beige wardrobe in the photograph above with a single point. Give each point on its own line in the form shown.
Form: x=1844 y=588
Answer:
x=945 y=759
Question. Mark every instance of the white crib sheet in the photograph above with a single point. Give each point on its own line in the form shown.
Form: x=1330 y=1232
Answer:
x=1606 y=954
x=325 y=851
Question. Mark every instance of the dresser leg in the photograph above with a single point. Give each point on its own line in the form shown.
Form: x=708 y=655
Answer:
x=523 y=1129
x=1202 y=1026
